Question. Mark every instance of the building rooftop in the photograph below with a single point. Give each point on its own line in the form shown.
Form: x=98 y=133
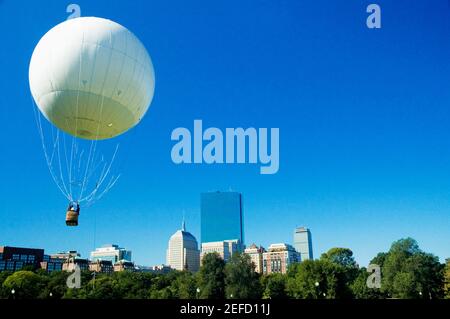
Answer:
x=254 y=248
x=110 y=245
x=301 y=229
x=280 y=246
x=183 y=234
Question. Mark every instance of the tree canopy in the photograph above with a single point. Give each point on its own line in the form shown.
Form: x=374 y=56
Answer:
x=408 y=272
x=241 y=280
x=211 y=277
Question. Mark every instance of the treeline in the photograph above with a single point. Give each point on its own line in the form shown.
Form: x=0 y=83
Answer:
x=406 y=272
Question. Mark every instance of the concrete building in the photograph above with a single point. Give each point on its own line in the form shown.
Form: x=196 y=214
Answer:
x=182 y=252
x=225 y=248
x=55 y=262
x=113 y=253
x=278 y=258
x=71 y=263
x=124 y=265
x=256 y=255
x=65 y=255
x=303 y=242
x=103 y=266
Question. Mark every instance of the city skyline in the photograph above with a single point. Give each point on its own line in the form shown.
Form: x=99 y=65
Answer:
x=362 y=114
x=267 y=243
x=115 y=253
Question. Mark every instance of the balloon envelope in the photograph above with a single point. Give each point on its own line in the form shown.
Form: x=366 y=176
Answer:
x=91 y=78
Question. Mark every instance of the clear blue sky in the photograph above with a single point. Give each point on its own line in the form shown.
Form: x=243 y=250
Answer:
x=364 y=118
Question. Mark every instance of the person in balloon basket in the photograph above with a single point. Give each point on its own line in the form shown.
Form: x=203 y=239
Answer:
x=73 y=211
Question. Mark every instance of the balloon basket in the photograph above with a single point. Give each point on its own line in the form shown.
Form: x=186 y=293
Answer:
x=72 y=218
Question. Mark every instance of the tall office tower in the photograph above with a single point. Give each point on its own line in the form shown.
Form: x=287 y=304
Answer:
x=183 y=253
x=221 y=217
x=112 y=253
x=303 y=242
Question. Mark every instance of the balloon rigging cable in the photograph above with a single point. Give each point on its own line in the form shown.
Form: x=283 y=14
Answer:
x=74 y=165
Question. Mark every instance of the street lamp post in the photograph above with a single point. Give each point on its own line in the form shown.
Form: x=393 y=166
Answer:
x=13 y=293
x=198 y=291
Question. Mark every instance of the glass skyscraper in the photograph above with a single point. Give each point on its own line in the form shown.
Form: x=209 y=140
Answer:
x=303 y=243
x=221 y=217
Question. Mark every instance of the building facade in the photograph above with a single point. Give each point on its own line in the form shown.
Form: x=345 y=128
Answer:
x=102 y=266
x=124 y=265
x=51 y=264
x=55 y=262
x=221 y=217
x=15 y=258
x=225 y=249
x=65 y=255
x=113 y=253
x=278 y=258
x=303 y=242
x=72 y=263
x=182 y=252
x=256 y=255
x=157 y=269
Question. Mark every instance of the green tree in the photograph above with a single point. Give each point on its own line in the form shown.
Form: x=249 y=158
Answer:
x=26 y=284
x=359 y=287
x=408 y=272
x=161 y=285
x=86 y=286
x=102 y=287
x=124 y=284
x=447 y=279
x=344 y=258
x=54 y=284
x=274 y=286
x=163 y=293
x=379 y=259
x=184 y=286
x=340 y=256
x=4 y=293
x=241 y=280
x=318 y=279
x=211 y=277
x=130 y=285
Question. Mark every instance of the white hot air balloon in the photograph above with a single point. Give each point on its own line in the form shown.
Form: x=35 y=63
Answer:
x=93 y=79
